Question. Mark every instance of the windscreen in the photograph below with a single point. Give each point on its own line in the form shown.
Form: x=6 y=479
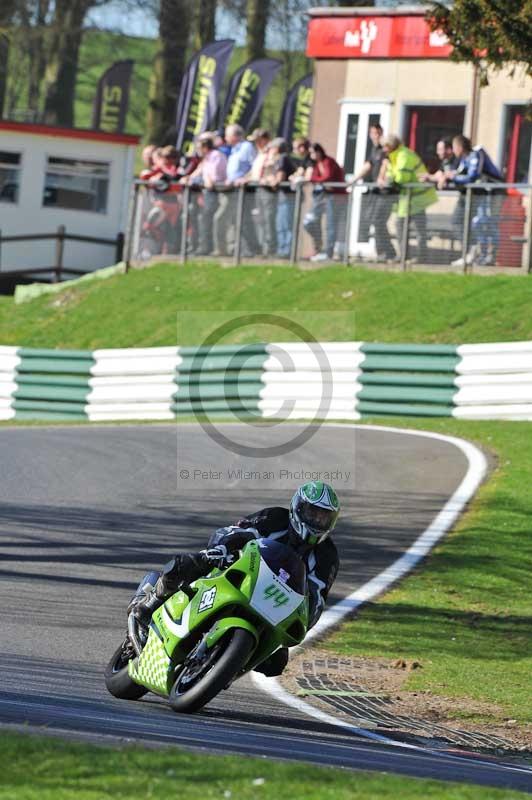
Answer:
x=285 y=562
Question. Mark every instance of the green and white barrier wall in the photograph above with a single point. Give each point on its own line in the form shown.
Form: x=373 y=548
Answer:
x=335 y=380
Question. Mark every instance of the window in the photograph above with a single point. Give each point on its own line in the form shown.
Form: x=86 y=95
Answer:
x=426 y=125
x=351 y=137
x=517 y=142
x=75 y=184
x=9 y=176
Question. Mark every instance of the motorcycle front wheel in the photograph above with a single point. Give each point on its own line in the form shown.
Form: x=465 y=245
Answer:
x=203 y=677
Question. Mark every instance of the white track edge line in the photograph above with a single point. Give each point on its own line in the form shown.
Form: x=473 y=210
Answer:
x=440 y=525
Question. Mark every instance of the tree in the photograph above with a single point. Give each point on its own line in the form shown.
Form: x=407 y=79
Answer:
x=175 y=19
x=487 y=33
x=8 y=9
x=257 y=14
x=33 y=21
x=204 y=23
x=62 y=67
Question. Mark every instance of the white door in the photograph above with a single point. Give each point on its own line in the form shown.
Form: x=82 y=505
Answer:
x=356 y=117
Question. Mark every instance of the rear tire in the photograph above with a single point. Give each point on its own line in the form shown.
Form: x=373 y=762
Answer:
x=117 y=679
x=228 y=663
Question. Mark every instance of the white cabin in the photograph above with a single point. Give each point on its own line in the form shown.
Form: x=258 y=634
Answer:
x=51 y=176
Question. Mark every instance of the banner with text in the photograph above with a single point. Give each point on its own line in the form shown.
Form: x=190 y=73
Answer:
x=295 y=116
x=197 y=106
x=247 y=90
x=112 y=98
x=396 y=36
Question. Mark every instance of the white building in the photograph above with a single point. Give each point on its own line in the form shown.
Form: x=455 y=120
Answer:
x=52 y=176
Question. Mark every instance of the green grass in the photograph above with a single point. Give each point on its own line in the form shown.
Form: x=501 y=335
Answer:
x=36 y=768
x=466 y=613
x=141 y=308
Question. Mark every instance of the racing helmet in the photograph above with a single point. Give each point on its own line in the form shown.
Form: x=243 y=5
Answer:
x=314 y=510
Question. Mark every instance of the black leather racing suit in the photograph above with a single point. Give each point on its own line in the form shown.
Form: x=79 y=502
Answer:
x=321 y=561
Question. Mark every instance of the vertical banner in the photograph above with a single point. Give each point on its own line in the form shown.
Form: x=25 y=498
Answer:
x=247 y=90
x=295 y=117
x=112 y=98
x=4 y=57
x=197 y=106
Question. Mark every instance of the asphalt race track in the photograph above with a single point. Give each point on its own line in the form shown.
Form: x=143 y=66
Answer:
x=85 y=511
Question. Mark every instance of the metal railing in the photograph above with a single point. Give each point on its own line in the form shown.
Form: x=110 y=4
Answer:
x=483 y=225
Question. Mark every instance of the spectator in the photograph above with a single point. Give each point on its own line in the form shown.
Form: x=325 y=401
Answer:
x=166 y=198
x=212 y=169
x=444 y=151
x=405 y=166
x=325 y=170
x=376 y=206
x=242 y=154
x=265 y=200
x=261 y=139
x=147 y=159
x=238 y=166
x=167 y=160
x=301 y=159
x=475 y=165
x=221 y=145
x=282 y=169
x=447 y=162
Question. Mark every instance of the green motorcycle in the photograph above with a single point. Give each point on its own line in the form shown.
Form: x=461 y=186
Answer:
x=215 y=630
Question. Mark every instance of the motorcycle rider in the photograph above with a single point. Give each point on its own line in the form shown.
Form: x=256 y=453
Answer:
x=305 y=527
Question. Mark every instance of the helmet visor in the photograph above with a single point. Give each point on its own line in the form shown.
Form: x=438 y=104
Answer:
x=320 y=520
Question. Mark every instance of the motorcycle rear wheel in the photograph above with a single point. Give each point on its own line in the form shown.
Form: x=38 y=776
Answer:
x=117 y=679
x=195 y=687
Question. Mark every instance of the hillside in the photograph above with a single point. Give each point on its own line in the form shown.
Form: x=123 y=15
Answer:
x=168 y=304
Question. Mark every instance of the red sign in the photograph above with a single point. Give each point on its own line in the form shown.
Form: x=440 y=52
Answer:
x=374 y=37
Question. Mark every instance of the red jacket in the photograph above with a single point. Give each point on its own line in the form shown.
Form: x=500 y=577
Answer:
x=328 y=171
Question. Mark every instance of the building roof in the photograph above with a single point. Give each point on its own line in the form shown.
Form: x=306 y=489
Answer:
x=68 y=133
x=368 y=11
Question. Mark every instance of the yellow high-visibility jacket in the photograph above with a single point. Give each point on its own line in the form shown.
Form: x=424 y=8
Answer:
x=406 y=167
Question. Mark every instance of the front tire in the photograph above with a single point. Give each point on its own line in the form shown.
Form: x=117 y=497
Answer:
x=227 y=658
x=117 y=679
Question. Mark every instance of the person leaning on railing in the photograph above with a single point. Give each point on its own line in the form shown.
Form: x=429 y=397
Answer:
x=212 y=169
x=276 y=180
x=325 y=170
x=376 y=207
x=404 y=167
x=474 y=166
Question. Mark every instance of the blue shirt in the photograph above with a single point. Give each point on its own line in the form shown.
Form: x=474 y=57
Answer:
x=476 y=166
x=239 y=162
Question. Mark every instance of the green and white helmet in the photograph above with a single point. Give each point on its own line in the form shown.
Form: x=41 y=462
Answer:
x=313 y=512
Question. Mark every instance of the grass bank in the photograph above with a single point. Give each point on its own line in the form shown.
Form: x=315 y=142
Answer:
x=141 y=308
x=466 y=613
x=45 y=769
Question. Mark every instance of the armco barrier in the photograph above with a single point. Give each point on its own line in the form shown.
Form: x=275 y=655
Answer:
x=285 y=380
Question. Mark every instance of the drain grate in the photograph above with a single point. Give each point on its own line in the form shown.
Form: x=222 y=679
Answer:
x=328 y=680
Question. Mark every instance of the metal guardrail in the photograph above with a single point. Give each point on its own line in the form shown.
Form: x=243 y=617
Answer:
x=60 y=236
x=485 y=224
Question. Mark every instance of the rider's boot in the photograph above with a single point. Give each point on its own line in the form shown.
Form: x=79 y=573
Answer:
x=275 y=664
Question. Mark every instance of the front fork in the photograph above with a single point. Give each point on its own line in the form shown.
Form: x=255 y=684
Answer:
x=144 y=588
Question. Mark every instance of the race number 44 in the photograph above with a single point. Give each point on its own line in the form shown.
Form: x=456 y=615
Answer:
x=279 y=597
